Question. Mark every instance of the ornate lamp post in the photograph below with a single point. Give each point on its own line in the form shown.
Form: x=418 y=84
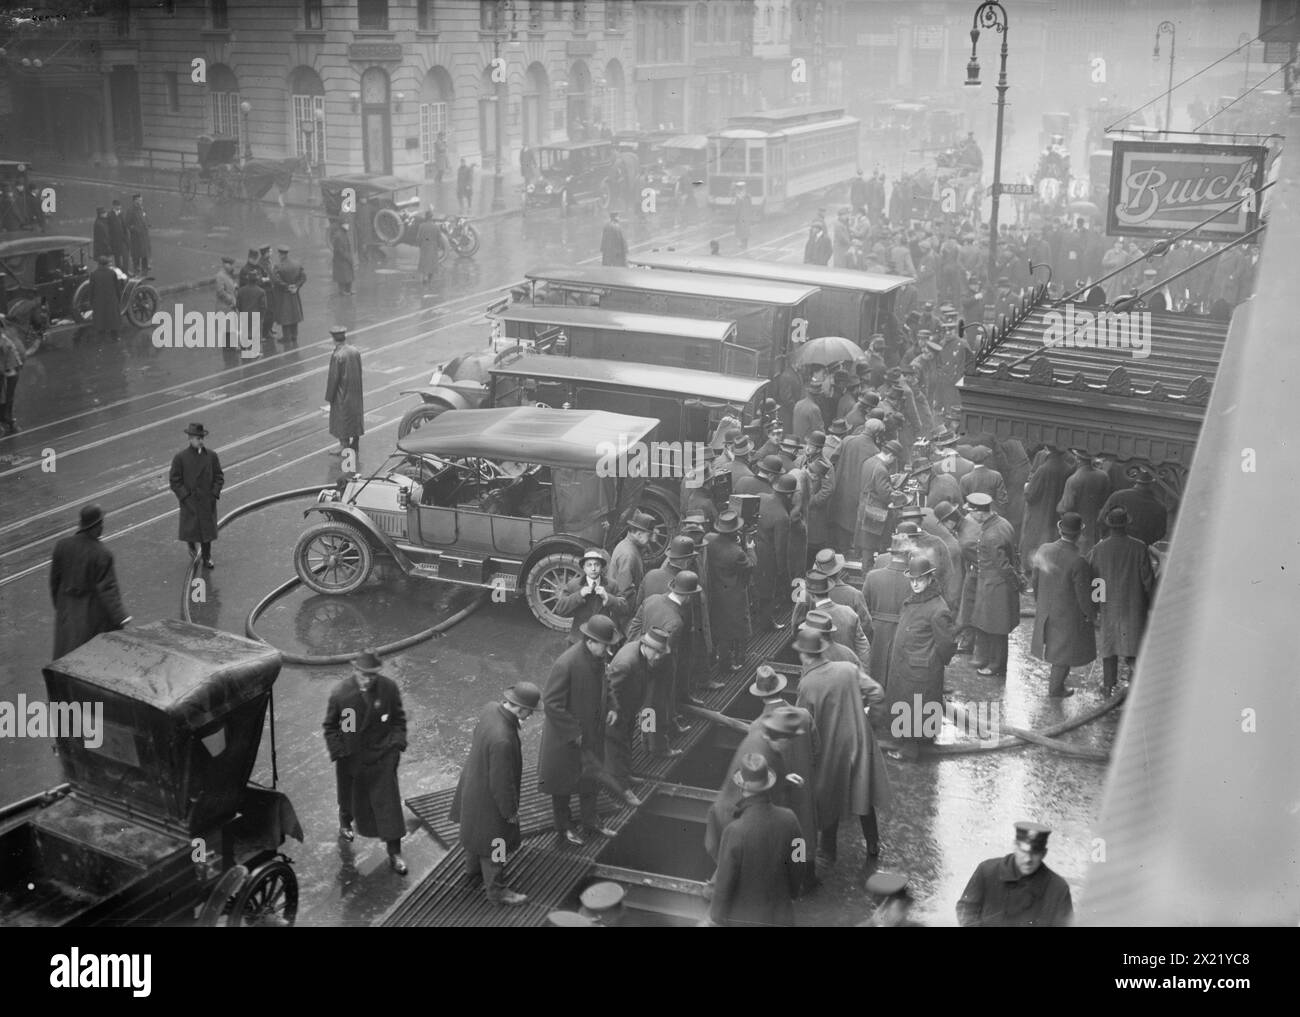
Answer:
x=1167 y=28
x=992 y=14
x=499 y=30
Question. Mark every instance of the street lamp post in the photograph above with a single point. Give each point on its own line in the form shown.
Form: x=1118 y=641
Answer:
x=1167 y=28
x=992 y=14
x=245 y=108
x=504 y=7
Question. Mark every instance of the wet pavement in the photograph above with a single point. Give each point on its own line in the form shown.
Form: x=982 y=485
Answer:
x=113 y=415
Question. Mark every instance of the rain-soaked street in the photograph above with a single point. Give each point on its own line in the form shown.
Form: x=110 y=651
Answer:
x=114 y=415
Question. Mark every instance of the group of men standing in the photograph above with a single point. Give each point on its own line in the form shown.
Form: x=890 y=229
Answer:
x=123 y=236
x=272 y=290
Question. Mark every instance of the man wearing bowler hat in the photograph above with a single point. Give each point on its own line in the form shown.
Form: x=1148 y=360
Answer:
x=690 y=654
x=487 y=797
x=626 y=564
x=1122 y=565
x=1085 y=492
x=365 y=732
x=1148 y=519
x=83 y=586
x=1063 y=606
x=923 y=646
x=264 y=270
x=848 y=630
x=671 y=612
x=196 y=480
x=630 y=678
x=757 y=877
x=731 y=562
x=1017 y=889
x=572 y=753
x=345 y=393
x=287 y=280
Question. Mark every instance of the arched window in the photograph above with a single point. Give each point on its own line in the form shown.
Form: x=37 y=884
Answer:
x=436 y=95
x=223 y=86
x=307 y=93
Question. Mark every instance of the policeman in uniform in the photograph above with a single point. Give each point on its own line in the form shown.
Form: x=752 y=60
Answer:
x=895 y=902
x=1017 y=889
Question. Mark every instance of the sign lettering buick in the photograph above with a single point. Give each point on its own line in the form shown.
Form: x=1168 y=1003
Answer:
x=1159 y=189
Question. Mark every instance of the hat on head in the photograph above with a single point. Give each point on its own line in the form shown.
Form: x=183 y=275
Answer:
x=265 y=248
x=754 y=773
x=979 y=501
x=282 y=249
x=908 y=528
x=339 y=333
x=1117 y=517
x=817 y=439
x=944 y=438
x=786 y=484
x=1032 y=835
x=252 y=252
x=873 y=425
x=767 y=682
x=979 y=454
x=742 y=446
x=600 y=628
x=1082 y=454
x=829 y=562
x=681 y=548
x=116 y=201
x=771 y=465
x=91 y=516
x=945 y=510
x=196 y=431
x=887 y=884
x=919 y=567
x=368 y=662
x=685 y=583
x=810 y=641
x=839 y=428
x=893 y=448
x=727 y=522
x=868 y=398
x=1070 y=524
x=965 y=450
x=893 y=374
x=227 y=260
x=1140 y=474
x=597 y=553
x=641 y=521
x=818 y=583
x=818 y=621
x=524 y=694
x=933 y=346
x=790 y=444
x=899 y=543
x=783 y=722
x=602 y=897
x=657 y=639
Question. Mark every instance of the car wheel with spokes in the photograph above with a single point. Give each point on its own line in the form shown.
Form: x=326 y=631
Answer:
x=546 y=581
x=268 y=898
x=333 y=557
x=666 y=518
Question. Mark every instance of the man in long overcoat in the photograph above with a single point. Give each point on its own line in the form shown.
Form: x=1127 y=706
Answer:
x=101 y=235
x=263 y=270
x=671 y=612
x=884 y=590
x=1123 y=565
x=365 y=732
x=1046 y=485
x=573 y=733
x=1085 y=492
x=924 y=643
x=626 y=562
x=1063 y=607
x=287 y=281
x=105 y=291
x=117 y=237
x=486 y=804
x=137 y=229
x=343 y=263
x=1148 y=518
x=984 y=479
x=613 y=245
x=1017 y=889
x=196 y=480
x=630 y=677
x=797 y=747
x=743 y=214
x=344 y=393
x=757 y=877
x=772 y=553
x=731 y=562
x=428 y=239
x=855 y=451
x=875 y=521
x=83 y=586
x=991 y=598
x=947 y=573
x=850 y=774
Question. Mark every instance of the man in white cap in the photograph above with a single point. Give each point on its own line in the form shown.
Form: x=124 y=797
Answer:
x=365 y=732
x=486 y=804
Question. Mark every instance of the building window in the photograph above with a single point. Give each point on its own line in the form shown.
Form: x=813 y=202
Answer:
x=489 y=16
x=372 y=15
x=701 y=23
x=579 y=16
x=536 y=12
x=172 y=84
x=433 y=121
x=613 y=15
x=312 y=19
x=424 y=16
x=719 y=23
x=225 y=115
x=309 y=127
x=220 y=17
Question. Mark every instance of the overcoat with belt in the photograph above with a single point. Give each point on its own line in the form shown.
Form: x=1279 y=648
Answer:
x=370 y=740
x=196 y=480
x=487 y=796
x=575 y=702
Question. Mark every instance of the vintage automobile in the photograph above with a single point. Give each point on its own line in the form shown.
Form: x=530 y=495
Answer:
x=570 y=173
x=677 y=165
x=158 y=822
x=499 y=499
x=383 y=210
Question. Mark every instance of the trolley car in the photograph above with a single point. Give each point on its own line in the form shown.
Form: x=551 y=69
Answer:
x=782 y=155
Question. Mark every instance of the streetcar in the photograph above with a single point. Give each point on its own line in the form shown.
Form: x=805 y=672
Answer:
x=782 y=155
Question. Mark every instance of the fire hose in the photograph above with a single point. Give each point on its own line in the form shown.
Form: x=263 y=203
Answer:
x=405 y=643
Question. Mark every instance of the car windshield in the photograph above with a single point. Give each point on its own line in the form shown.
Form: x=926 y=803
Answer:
x=556 y=160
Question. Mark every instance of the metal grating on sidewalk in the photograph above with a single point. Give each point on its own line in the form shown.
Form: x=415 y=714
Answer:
x=547 y=871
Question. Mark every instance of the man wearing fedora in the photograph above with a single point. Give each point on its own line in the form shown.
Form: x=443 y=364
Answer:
x=630 y=678
x=572 y=752
x=807 y=416
x=1017 y=890
x=1042 y=493
x=83 y=586
x=850 y=778
x=196 y=480
x=765 y=471
x=855 y=452
x=923 y=645
x=793 y=734
x=875 y=519
x=592 y=593
x=486 y=804
x=1127 y=583
x=831 y=564
x=287 y=281
x=991 y=597
x=983 y=478
x=731 y=562
x=884 y=589
x=735 y=460
x=1085 y=492
x=1063 y=608
x=757 y=877
x=1148 y=519
x=772 y=548
x=670 y=612
x=936 y=549
x=365 y=732
x=345 y=393
x=848 y=630
x=626 y=564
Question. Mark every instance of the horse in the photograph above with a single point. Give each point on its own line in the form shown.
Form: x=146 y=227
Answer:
x=260 y=174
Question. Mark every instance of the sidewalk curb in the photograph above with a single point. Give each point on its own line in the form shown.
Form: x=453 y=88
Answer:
x=182 y=287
